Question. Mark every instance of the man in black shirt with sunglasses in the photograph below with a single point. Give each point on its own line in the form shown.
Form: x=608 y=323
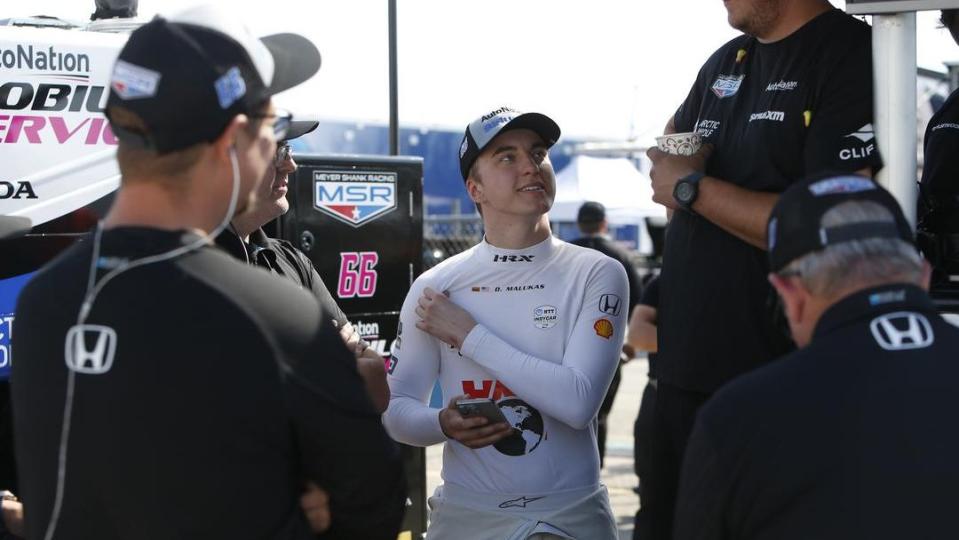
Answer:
x=246 y=240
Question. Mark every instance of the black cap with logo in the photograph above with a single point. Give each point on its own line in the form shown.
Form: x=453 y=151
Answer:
x=187 y=76
x=484 y=129
x=794 y=227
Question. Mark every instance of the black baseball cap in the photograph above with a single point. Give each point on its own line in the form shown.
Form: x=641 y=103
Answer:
x=591 y=212
x=187 y=76
x=794 y=226
x=484 y=129
x=298 y=128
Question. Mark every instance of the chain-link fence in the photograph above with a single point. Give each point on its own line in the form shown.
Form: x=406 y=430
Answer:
x=445 y=236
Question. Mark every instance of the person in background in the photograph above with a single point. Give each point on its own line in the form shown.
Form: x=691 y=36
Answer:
x=591 y=220
x=938 y=212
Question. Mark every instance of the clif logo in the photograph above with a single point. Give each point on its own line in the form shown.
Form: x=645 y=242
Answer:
x=17 y=190
x=513 y=258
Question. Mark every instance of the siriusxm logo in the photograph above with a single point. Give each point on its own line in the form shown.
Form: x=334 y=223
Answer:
x=775 y=116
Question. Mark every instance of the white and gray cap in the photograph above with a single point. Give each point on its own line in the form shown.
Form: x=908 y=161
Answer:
x=480 y=132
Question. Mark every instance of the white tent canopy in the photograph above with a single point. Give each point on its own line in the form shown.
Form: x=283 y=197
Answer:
x=625 y=192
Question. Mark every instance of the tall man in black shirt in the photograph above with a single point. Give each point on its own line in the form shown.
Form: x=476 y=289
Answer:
x=165 y=390
x=789 y=98
x=938 y=223
x=852 y=435
x=591 y=220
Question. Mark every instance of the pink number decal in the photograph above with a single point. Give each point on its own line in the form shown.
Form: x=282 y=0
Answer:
x=357 y=274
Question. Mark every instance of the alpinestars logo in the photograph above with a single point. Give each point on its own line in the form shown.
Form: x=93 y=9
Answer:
x=518 y=503
x=513 y=258
x=902 y=331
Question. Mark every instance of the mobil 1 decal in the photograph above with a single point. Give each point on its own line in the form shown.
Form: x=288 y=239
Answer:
x=354 y=197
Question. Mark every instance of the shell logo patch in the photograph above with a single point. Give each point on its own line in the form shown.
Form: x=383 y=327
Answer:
x=603 y=328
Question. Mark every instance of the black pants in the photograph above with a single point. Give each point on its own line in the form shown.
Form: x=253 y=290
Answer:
x=604 y=413
x=662 y=428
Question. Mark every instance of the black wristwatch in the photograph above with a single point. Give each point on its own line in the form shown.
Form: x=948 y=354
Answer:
x=686 y=190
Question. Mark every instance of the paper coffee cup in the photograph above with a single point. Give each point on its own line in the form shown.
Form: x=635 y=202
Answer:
x=680 y=144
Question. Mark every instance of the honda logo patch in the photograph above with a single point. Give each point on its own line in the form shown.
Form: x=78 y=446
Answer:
x=902 y=331
x=90 y=348
x=610 y=304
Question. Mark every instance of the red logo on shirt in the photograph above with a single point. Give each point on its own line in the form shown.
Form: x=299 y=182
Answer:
x=494 y=390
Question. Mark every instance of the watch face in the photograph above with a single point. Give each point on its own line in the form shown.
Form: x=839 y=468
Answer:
x=684 y=192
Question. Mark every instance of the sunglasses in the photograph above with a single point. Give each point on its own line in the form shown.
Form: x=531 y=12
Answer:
x=283 y=152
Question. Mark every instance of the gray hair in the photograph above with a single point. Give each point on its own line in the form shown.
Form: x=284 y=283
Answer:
x=856 y=263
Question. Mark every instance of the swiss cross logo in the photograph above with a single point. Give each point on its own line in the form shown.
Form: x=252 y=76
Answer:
x=902 y=331
x=357 y=274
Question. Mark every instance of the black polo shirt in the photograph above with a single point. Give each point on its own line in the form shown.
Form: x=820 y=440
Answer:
x=224 y=394
x=939 y=187
x=852 y=436
x=280 y=257
x=650 y=298
x=775 y=113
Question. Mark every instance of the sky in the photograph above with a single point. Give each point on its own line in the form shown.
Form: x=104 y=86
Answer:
x=603 y=69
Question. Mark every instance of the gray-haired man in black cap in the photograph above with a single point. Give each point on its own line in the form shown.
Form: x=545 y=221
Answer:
x=164 y=389
x=852 y=435
x=530 y=326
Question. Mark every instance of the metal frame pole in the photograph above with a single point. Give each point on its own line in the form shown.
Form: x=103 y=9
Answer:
x=394 y=83
x=894 y=64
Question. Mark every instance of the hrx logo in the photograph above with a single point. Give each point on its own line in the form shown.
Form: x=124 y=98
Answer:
x=17 y=190
x=513 y=258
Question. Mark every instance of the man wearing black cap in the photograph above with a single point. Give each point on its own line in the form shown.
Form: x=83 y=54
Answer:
x=530 y=325
x=850 y=436
x=790 y=98
x=246 y=240
x=164 y=390
x=591 y=220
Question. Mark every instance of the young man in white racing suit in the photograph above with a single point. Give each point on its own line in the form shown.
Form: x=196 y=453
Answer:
x=531 y=322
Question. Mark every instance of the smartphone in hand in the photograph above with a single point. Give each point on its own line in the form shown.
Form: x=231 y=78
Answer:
x=481 y=407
